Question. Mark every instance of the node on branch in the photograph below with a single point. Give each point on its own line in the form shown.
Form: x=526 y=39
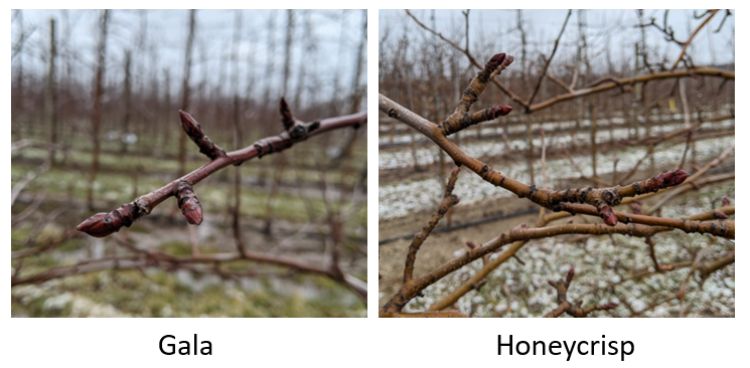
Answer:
x=189 y=203
x=193 y=129
x=461 y=118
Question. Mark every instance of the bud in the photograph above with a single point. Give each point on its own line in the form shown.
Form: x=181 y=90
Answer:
x=103 y=224
x=495 y=62
x=609 y=217
x=676 y=177
x=188 y=203
x=503 y=109
x=193 y=129
x=286 y=114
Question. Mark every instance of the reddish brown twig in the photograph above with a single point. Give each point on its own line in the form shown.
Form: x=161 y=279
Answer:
x=103 y=224
x=589 y=201
x=572 y=308
x=579 y=93
x=511 y=251
x=449 y=200
x=194 y=130
x=601 y=198
x=460 y=118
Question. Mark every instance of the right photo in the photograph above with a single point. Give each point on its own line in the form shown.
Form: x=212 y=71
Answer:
x=557 y=163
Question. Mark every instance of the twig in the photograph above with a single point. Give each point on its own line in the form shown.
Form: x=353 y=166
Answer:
x=103 y=224
x=548 y=60
x=573 y=309
x=449 y=200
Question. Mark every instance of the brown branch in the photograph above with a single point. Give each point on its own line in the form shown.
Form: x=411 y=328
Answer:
x=686 y=44
x=601 y=198
x=573 y=309
x=594 y=89
x=449 y=200
x=103 y=224
x=412 y=289
x=620 y=82
x=548 y=61
x=143 y=258
x=460 y=118
x=511 y=251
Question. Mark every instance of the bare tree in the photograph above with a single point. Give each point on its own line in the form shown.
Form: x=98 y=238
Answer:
x=96 y=112
x=185 y=99
x=52 y=90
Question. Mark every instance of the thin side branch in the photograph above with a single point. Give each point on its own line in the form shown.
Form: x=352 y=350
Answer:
x=572 y=308
x=449 y=200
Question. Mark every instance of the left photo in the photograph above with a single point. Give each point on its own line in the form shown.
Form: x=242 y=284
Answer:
x=189 y=163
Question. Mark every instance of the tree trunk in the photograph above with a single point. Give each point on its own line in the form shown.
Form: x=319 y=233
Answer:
x=96 y=114
x=185 y=104
x=52 y=91
x=127 y=99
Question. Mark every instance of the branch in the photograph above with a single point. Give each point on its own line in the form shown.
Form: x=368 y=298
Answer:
x=621 y=82
x=409 y=291
x=143 y=258
x=686 y=44
x=449 y=200
x=511 y=251
x=103 y=224
x=572 y=309
x=601 y=198
x=594 y=89
x=549 y=60
x=460 y=118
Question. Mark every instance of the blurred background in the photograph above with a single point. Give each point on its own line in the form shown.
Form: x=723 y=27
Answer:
x=633 y=132
x=95 y=96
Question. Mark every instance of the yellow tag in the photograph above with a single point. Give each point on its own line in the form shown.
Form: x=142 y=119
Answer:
x=672 y=105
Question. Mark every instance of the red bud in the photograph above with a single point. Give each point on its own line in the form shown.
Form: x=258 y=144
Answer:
x=192 y=211
x=103 y=224
x=495 y=62
x=501 y=110
x=98 y=225
x=676 y=177
x=608 y=215
x=188 y=203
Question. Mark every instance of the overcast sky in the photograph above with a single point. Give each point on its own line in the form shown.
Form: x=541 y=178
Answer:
x=605 y=29
x=333 y=37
